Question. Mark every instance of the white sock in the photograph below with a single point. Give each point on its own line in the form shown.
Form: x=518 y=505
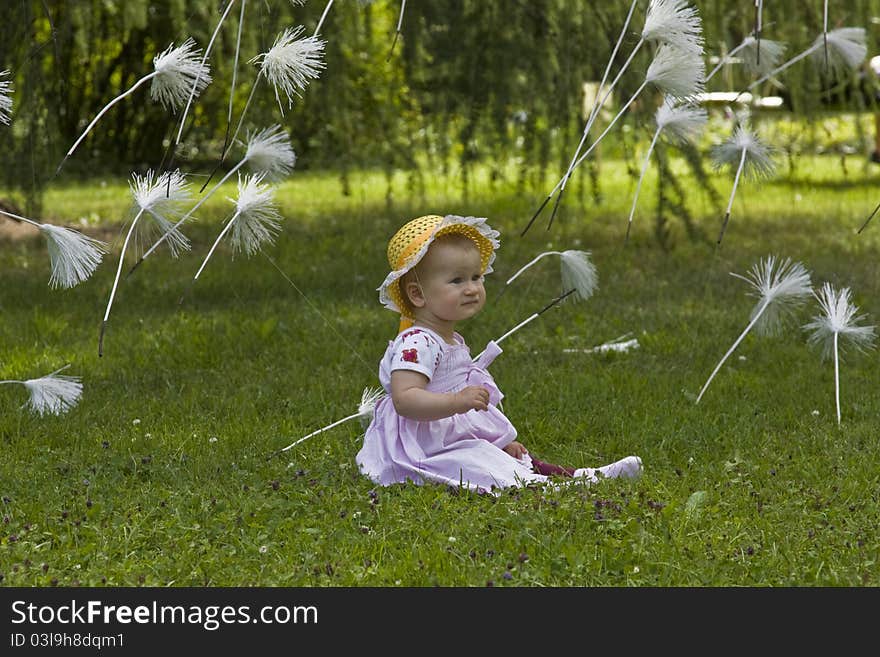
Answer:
x=630 y=467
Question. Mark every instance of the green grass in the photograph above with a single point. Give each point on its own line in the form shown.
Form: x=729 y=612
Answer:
x=161 y=476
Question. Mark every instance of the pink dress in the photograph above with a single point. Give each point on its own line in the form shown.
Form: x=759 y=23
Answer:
x=460 y=450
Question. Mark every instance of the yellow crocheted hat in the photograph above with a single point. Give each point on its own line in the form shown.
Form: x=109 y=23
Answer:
x=411 y=242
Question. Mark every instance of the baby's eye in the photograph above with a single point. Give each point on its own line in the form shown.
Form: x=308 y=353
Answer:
x=456 y=280
x=477 y=277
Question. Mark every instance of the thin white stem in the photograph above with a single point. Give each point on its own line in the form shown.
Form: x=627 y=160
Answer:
x=597 y=106
x=555 y=301
x=192 y=93
x=510 y=280
x=60 y=369
x=246 y=106
x=107 y=107
x=216 y=242
x=607 y=130
x=400 y=18
x=20 y=218
x=739 y=169
x=594 y=112
x=191 y=210
x=825 y=36
x=562 y=181
x=641 y=177
x=759 y=23
x=315 y=433
x=836 y=378
x=235 y=62
x=784 y=66
x=725 y=59
x=121 y=259
x=323 y=16
x=742 y=161
x=735 y=345
x=516 y=328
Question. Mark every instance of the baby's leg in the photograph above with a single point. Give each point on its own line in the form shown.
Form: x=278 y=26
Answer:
x=548 y=469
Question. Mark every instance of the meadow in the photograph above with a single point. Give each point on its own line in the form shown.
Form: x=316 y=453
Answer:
x=167 y=472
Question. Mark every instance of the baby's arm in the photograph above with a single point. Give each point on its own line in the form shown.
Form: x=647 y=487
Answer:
x=413 y=401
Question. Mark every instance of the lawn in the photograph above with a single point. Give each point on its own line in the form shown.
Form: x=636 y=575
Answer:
x=166 y=473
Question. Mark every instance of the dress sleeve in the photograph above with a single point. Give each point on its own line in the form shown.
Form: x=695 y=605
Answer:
x=416 y=350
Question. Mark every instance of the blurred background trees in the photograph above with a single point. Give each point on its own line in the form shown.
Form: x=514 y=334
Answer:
x=497 y=83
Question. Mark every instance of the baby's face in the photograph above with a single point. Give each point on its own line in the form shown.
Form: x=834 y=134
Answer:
x=452 y=281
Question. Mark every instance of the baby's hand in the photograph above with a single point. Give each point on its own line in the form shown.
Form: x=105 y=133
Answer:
x=516 y=450
x=472 y=397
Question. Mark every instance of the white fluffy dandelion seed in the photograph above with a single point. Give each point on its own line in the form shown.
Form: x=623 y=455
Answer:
x=5 y=98
x=291 y=63
x=366 y=409
x=255 y=221
x=758 y=57
x=752 y=158
x=676 y=72
x=175 y=72
x=159 y=198
x=258 y=217
x=681 y=122
x=846 y=50
x=578 y=273
x=781 y=288
x=758 y=162
x=838 y=317
x=73 y=256
x=162 y=198
x=288 y=65
x=761 y=62
x=838 y=320
x=676 y=23
x=369 y=398
x=54 y=393
x=268 y=153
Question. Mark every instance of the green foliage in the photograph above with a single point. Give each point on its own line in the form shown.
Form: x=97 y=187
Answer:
x=470 y=81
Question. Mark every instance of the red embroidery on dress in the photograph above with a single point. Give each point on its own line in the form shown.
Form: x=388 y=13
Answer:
x=410 y=356
x=409 y=333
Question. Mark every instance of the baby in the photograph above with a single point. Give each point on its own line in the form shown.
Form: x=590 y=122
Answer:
x=441 y=421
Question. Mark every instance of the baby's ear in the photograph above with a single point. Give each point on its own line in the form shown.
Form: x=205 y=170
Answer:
x=414 y=295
